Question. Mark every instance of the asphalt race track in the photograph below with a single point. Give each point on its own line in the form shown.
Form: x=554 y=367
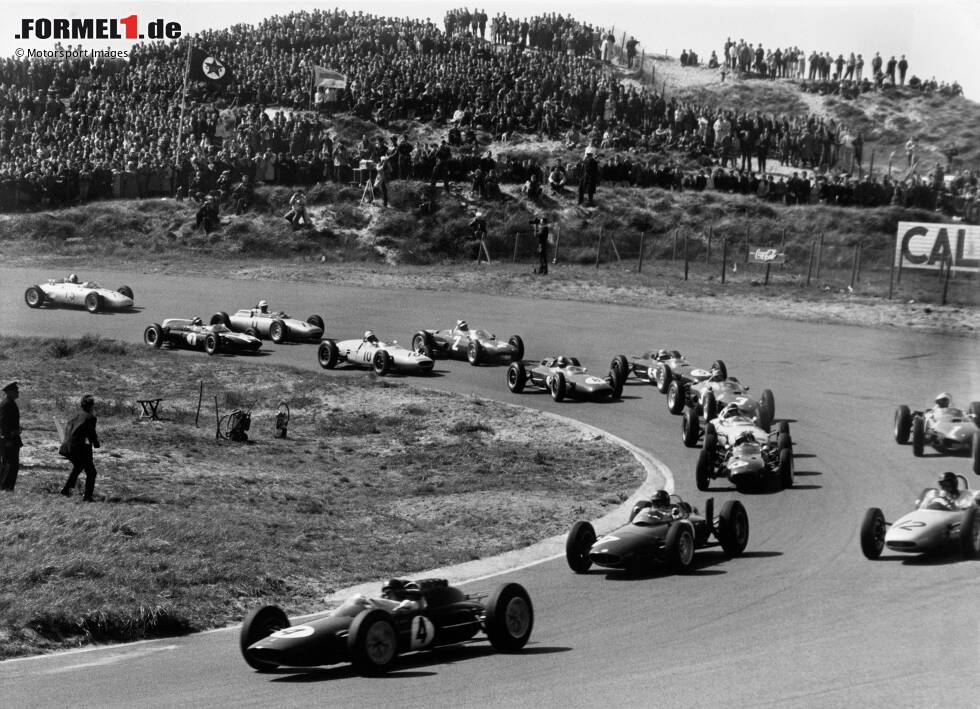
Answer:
x=802 y=620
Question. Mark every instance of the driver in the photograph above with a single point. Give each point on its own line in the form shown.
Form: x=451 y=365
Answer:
x=72 y=278
x=716 y=375
x=369 y=336
x=462 y=326
x=562 y=362
x=196 y=321
x=263 y=306
x=661 y=498
x=943 y=402
x=949 y=492
x=662 y=355
x=730 y=411
x=745 y=437
x=662 y=507
x=397 y=596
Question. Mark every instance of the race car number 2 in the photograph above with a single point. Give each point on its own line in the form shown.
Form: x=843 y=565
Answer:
x=423 y=632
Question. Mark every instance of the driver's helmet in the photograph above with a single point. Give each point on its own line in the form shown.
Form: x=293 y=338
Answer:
x=716 y=375
x=393 y=587
x=461 y=325
x=661 y=498
x=663 y=355
x=562 y=362
x=944 y=400
x=264 y=306
x=413 y=590
x=197 y=321
x=745 y=437
x=949 y=484
x=369 y=336
x=729 y=411
x=72 y=278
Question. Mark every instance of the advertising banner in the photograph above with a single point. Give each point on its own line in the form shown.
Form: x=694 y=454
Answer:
x=766 y=254
x=932 y=246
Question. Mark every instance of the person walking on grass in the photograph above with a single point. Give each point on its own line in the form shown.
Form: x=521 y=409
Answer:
x=80 y=439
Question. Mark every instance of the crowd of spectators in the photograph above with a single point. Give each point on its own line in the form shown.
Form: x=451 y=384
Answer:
x=80 y=129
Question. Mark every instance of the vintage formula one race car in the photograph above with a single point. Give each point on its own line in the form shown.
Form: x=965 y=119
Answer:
x=943 y=520
x=274 y=325
x=710 y=394
x=88 y=294
x=735 y=447
x=371 y=352
x=193 y=333
x=663 y=529
x=947 y=429
x=564 y=377
x=372 y=638
x=475 y=345
x=661 y=367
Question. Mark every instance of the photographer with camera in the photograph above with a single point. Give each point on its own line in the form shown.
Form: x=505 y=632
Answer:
x=540 y=226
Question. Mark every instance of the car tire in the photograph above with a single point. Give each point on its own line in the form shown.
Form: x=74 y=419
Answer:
x=973 y=412
x=675 y=398
x=372 y=642
x=556 y=385
x=970 y=534
x=679 y=547
x=94 y=303
x=577 y=545
x=474 y=353
x=251 y=332
x=509 y=617
x=212 y=344
x=516 y=376
x=783 y=427
x=722 y=369
x=423 y=344
x=872 y=533
x=315 y=321
x=690 y=427
x=616 y=383
x=786 y=467
x=221 y=318
x=733 y=528
x=260 y=623
x=976 y=453
x=34 y=297
x=710 y=406
x=621 y=367
x=768 y=402
x=903 y=424
x=153 y=336
x=278 y=332
x=517 y=342
x=783 y=441
x=662 y=378
x=381 y=363
x=918 y=436
x=126 y=291
x=327 y=354
x=702 y=470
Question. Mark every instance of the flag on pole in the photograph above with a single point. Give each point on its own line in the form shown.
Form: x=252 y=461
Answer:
x=206 y=67
x=328 y=78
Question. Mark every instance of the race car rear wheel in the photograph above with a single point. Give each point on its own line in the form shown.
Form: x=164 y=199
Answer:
x=733 y=528
x=327 y=354
x=783 y=441
x=126 y=291
x=94 y=302
x=918 y=436
x=517 y=343
x=556 y=385
x=212 y=344
x=381 y=363
x=474 y=353
x=221 y=318
x=423 y=344
x=153 y=336
x=516 y=374
x=976 y=453
x=621 y=366
x=873 y=533
x=675 y=398
x=616 y=383
x=260 y=623
x=315 y=321
x=577 y=545
x=767 y=402
x=690 y=427
x=34 y=297
x=509 y=617
x=903 y=424
x=786 y=467
x=709 y=406
x=970 y=534
x=662 y=377
x=679 y=547
x=278 y=331
x=372 y=641
x=702 y=471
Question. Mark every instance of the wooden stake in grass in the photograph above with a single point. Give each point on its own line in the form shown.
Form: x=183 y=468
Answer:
x=200 y=395
x=809 y=264
x=724 y=258
x=639 y=266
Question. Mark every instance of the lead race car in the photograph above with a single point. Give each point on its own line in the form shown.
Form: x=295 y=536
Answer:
x=943 y=519
x=564 y=377
x=475 y=345
x=662 y=529
x=274 y=325
x=735 y=447
x=372 y=638
x=369 y=351
x=193 y=333
x=72 y=292
x=947 y=429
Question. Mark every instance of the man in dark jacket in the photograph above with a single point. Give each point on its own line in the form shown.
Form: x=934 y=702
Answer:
x=10 y=442
x=589 y=179
x=80 y=439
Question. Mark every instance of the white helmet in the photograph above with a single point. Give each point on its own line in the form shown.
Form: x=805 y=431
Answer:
x=369 y=336
x=461 y=325
x=263 y=305
x=944 y=399
x=72 y=278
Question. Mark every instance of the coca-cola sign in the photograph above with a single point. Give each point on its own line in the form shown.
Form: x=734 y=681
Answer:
x=766 y=254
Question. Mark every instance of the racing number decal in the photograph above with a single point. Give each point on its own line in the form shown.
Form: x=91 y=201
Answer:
x=423 y=632
x=456 y=341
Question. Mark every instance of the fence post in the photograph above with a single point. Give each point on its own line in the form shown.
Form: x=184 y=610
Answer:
x=707 y=252
x=809 y=263
x=673 y=256
x=854 y=265
x=768 y=267
x=746 y=243
x=639 y=267
x=554 y=255
x=949 y=270
x=685 y=256
x=517 y=237
x=598 y=247
x=860 y=258
x=724 y=258
x=891 y=280
x=819 y=254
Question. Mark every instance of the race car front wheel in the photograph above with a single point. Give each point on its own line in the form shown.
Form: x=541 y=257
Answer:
x=577 y=545
x=34 y=297
x=94 y=302
x=153 y=336
x=509 y=618
x=372 y=641
x=873 y=533
x=260 y=623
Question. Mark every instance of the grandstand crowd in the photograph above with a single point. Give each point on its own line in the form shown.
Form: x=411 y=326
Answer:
x=78 y=129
